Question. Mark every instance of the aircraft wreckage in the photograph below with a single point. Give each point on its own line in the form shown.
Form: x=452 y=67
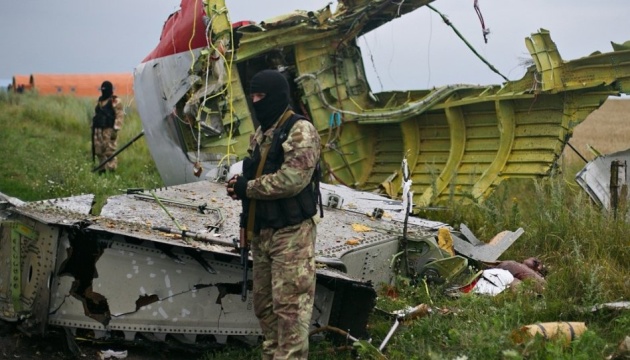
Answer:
x=130 y=271
x=163 y=264
x=605 y=180
x=460 y=140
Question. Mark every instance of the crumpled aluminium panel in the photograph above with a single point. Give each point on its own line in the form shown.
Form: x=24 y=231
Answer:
x=113 y=273
x=594 y=178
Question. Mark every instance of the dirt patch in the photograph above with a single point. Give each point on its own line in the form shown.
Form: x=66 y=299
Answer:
x=16 y=345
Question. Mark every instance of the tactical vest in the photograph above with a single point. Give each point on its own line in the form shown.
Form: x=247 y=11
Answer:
x=104 y=117
x=283 y=212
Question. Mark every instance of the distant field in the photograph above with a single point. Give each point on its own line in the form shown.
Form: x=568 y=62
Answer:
x=606 y=129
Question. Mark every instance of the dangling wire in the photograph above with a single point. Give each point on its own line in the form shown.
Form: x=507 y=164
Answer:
x=192 y=36
x=215 y=53
x=205 y=94
x=448 y=22
x=484 y=30
x=221 y=49
x=378 y=77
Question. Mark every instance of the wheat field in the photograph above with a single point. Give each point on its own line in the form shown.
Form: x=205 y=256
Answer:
x=604 y=129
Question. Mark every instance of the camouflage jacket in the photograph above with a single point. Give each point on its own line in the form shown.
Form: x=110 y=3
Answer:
x=301 y=154
x=118 y=109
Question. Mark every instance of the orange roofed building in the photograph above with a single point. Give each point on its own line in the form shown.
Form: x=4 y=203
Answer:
x=23 y=81
x=88 y=85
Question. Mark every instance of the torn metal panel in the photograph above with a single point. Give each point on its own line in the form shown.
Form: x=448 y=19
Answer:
x=368 y=203
x=468 y=235
x=116 y=273
x=6 y=201
x=27 y=250
x=159 y=295
x=81 y=204
x=595 y=178
x=490 y=251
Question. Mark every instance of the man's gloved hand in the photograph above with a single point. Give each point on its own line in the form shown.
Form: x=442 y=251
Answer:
x=240 y=187
x=237 y=187
x=229 y=186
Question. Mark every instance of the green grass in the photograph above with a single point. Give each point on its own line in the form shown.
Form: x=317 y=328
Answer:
x=46 y=149
x=45 y=143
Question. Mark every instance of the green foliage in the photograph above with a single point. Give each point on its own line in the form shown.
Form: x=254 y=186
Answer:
x=46 y=146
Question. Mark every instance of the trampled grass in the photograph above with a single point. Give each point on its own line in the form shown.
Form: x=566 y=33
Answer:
x=45 y=147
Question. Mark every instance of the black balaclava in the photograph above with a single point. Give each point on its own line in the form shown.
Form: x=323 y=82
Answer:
x=276 y=101
x=107 y=90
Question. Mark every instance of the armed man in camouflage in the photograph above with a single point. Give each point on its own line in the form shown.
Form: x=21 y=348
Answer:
x=108 y=119
x=278 y=189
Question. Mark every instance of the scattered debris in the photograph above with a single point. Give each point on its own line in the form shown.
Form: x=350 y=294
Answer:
x=504 y=274
x=107 y=354
x=403 y=316
x=605 y=179
x=568 y=331
x=492 y=282
x=360 y=228
x=445 y=240
x=619 y=305
x=485 y=251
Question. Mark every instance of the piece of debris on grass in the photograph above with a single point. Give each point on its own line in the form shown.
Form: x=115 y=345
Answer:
x=413 y=312
x=445 y=240
x=489 y=282
x=619 y=305
x=565 y=330
x=106 y=354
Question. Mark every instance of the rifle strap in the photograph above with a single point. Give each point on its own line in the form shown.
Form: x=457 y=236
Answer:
x=251 y=215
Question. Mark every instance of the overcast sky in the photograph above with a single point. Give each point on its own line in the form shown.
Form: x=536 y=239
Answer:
x=415 y=51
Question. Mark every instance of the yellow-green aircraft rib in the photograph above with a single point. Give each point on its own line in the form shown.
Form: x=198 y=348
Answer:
x=464 y=140
x=460 y=141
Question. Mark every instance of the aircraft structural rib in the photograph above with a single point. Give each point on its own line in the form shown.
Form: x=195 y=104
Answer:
x=461 y=141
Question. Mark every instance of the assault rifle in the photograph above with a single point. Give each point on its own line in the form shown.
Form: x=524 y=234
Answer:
x=244 y=247
x=99 y=166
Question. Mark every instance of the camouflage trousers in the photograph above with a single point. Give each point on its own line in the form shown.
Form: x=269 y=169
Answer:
x=284 y=288
x=105 y=146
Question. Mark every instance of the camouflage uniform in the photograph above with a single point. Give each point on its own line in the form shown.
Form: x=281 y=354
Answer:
x=284 y=262
x=282 y=237
x=105 y=139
